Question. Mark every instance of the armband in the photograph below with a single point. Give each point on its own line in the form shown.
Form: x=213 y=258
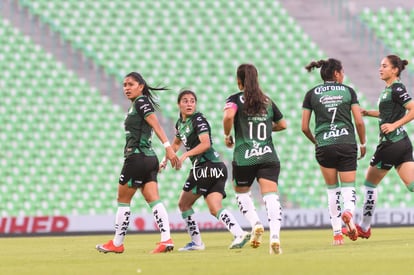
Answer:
x=166 y=144
x=363 y=145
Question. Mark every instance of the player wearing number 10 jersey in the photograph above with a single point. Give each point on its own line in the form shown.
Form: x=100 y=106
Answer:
x=254 y=116
x=253 y=133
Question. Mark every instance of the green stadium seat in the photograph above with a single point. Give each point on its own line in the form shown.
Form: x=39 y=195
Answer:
x=179 y=50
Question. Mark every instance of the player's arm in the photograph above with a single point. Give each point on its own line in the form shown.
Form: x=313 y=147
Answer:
x=152 y=120
x=387 y=128
x=176 y=144
x=203 y=146
x=279 y=126
x=228 y=120
x=371 y=113
x=306 y=115
x=278 y=123
x=360 y=128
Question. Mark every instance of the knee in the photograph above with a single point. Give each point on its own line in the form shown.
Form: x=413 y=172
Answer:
x=183 y=206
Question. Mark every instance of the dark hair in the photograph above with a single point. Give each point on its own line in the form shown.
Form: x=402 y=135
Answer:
x=328 y=68
x=185 y=92
x=396 y=62
x=147 y=88
x=255 y=101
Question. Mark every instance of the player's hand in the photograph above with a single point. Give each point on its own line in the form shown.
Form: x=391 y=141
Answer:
x=228 y=140
x=163 y=164
x=364 y=112
x=362 y=151
x=171 y=156
x=387 y=128
x=180 y=161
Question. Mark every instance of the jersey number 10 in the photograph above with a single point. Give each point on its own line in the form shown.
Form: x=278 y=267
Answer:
x=260 y=131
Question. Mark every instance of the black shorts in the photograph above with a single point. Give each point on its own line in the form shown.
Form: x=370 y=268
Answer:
x=139 y=169
x=207 y=177
x=389 y=154
x=342 y=157
x=245 y=175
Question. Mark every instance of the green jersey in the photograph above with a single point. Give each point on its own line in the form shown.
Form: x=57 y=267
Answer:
x=331 y=102
x=138 y=132
x=253 y=133
x=189 y=130
x=391 y=108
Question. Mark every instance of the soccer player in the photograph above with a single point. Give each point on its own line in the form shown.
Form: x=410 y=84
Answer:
x=207 y=177
x=336 y=149
x=254 y=116
x=396 y=108
x=140 y=165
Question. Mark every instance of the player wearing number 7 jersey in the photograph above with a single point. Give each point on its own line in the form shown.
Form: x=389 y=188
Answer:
x=254 y=116
x=334 y=138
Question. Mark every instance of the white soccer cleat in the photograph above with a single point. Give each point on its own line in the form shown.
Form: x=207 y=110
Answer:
x=240 y=241
x=275 y=247
x=256 y=238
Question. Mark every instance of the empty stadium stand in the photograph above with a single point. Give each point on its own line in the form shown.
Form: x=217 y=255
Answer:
x=61 y=140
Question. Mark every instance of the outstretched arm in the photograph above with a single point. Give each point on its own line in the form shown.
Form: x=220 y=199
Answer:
x=372 y=113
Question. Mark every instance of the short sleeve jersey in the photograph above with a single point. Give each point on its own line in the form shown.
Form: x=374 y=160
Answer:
x=391 y=107
x=138 y=132
x=253 y=133
x=331 y=102
x=189 y=130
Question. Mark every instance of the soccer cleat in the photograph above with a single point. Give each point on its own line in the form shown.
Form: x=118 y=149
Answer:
x=275 y=247
x=256 y=237
x=338 y=239
x=361 y=233
x=162 y=247
x=240 y=241
x=110 y=247
x=192 y=246
x=350 y=226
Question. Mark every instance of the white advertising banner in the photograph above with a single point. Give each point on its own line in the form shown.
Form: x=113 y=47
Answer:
x=292 y=218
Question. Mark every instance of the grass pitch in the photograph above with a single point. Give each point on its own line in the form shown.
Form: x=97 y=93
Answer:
x=388 y=251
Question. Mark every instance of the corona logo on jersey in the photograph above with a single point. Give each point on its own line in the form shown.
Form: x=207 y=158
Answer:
x=257 y=150
x=321 y=89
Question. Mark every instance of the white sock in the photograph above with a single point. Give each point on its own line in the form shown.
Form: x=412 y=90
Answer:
x=230 y=222
x=161 y=218
x=274 y=214
x=121 y=224
x=192 y=226
x=334 y=207
x=247 y=208
x=349 y=197
x=370 y=202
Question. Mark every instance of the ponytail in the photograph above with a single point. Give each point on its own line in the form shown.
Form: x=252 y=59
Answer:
x=255 y=101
